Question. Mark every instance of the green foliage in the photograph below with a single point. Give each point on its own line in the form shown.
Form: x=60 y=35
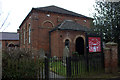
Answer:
x=58 y=68
x=107 y=20
x=75 y=54
x=19 y=64
x=78 y=67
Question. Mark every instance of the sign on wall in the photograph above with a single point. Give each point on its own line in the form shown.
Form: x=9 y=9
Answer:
x=94 y=44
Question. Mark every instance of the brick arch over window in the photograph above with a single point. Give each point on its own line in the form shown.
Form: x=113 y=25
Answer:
x=66 y=39
x=11 y=44
x=79 y=36
x=47 y=23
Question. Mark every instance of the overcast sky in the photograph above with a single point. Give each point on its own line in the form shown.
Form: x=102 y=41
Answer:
x=17 y=10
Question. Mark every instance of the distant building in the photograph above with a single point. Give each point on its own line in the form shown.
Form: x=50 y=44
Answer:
x=52 y=28
x=8 y=39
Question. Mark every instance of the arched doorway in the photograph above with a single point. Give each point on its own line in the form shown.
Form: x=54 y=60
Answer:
x=79 y=46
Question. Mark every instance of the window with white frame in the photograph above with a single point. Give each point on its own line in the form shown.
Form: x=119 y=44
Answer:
x=29 y=33
x=0 y=44
x=21 y=36
x=24 y=36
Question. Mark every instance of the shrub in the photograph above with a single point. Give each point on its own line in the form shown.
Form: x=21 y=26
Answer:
x=55 y=58
x=20 y=63
x=75 y=54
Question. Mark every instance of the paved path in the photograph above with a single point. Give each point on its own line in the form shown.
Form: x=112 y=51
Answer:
x=51 y=75
x=54 y=75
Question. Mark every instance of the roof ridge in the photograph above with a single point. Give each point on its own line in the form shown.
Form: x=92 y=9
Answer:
x=61 y=24
x=53 y=8
x=64 y=23
x=45 y=6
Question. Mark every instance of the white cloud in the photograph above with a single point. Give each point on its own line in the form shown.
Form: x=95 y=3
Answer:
x=0 y=5
x=20 y=8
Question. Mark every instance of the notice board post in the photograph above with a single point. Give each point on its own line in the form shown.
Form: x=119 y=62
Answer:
x=94 y=46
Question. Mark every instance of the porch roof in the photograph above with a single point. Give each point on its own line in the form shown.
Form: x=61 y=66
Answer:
x=71 y=25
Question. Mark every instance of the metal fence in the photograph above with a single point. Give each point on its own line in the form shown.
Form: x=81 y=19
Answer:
x=74 y=66
x=58 y=67
x=23 y=68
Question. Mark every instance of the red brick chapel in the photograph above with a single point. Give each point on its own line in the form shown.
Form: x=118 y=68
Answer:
x=52 y=28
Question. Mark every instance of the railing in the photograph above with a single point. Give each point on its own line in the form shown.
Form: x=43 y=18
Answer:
x=23 y=68
x=59 y=67
x=76 y=66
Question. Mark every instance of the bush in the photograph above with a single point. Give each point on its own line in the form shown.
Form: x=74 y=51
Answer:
x=20 y=63
x=75 y=54
x=55 y=58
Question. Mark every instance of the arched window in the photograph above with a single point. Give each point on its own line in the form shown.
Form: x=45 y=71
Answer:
x=48 y=24
x=24 y=36
x=0 y=44
x=11 y=45
x=29 y=33
x=21 y=36
x=67 y=43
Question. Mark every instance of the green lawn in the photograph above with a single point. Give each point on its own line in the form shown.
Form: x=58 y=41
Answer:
x=77 y=68
x=58 y=68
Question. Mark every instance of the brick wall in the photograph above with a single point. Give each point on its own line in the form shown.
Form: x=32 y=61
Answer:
x=58 y=41
x=111 y=57
x=41 y=24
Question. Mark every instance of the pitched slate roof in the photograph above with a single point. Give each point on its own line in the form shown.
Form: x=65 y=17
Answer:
x=70 y=25
x=9 y=36
x=56 y=9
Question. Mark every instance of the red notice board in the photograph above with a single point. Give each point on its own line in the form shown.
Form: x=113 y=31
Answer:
x=94 y=44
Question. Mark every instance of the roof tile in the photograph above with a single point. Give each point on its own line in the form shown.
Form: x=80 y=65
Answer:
x=9 y=36
x=70 y=25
